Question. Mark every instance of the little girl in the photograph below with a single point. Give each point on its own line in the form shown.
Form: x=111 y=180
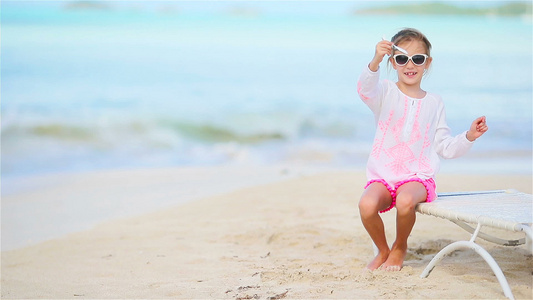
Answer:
x=411 y=134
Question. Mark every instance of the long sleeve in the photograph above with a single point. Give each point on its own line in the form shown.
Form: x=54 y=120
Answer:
x=370 y=89
x=446 y=145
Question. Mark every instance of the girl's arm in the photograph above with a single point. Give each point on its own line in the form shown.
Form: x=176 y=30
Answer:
x=368 y=86
x=446 y=145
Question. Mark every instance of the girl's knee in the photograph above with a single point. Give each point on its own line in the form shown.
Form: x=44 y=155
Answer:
x=368 y=206
x=371 y=204
x=405 y=203
x=375 y=198
x=409 y=195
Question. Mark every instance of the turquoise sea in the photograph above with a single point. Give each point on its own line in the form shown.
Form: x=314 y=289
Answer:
x=181 y=84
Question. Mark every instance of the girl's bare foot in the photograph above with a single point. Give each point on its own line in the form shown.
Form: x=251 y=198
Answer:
x=395 y=259
x=377 y=261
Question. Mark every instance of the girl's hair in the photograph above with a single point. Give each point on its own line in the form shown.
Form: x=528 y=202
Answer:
x=411 y=34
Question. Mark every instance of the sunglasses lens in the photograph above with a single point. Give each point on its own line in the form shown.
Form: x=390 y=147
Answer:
x=401 y=59
x=419 y=59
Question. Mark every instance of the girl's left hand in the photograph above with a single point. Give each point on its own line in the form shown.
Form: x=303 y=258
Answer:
x=477 y=129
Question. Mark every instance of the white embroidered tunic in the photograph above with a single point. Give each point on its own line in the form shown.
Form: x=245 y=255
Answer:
x=411 y=133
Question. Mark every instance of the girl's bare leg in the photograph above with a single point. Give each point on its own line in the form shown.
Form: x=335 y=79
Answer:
x=407 y=197
x=375 y=198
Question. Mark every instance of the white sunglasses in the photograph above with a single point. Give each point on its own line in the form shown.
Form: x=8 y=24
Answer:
x=417 y=59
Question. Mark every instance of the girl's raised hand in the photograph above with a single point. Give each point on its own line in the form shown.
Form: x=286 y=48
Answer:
x=382 y=48
x=477 y=129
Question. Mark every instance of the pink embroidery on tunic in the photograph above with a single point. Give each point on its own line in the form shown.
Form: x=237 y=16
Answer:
x=424 y=162
x=359 y=88
x=415 y=131
x=398 y=127
x=402 y=154
x=384 y=127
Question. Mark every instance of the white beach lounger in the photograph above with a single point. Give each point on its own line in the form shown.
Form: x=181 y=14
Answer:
x=503 y=209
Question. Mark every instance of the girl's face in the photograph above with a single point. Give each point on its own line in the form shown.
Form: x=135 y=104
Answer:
x=411 y=74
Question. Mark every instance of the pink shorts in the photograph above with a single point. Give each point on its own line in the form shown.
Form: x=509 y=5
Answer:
x=429 y=184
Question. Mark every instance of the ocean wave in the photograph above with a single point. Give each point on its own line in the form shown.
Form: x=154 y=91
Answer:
x=55 y=146
x=215 y=134
x=192 y=131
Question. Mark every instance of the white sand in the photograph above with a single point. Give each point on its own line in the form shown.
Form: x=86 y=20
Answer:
x=37 y=208
x=299 y=238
